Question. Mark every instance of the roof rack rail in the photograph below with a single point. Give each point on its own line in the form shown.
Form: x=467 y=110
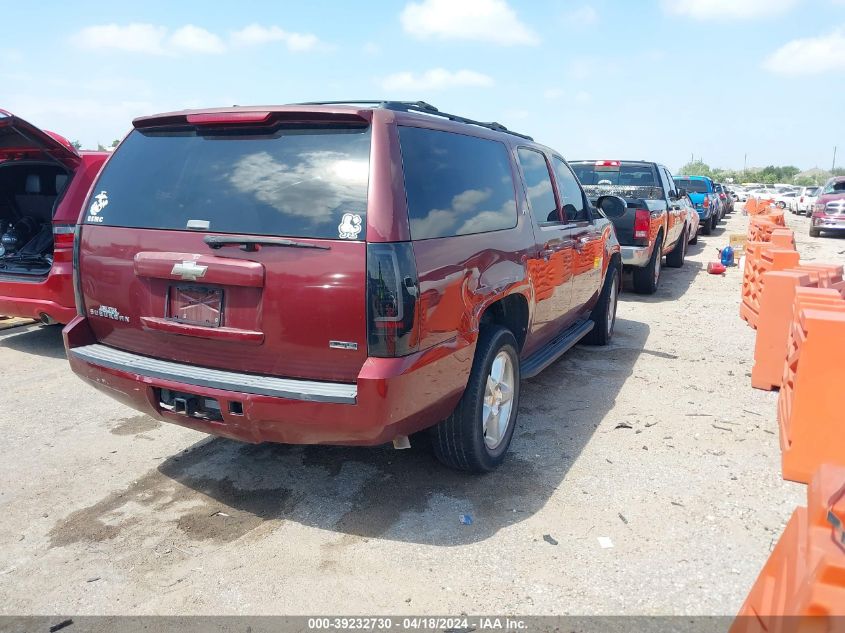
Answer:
x=424 y=108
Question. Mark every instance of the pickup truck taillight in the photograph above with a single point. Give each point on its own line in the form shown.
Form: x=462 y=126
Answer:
x=641 y=224
x=706 y=202
x=392 y=298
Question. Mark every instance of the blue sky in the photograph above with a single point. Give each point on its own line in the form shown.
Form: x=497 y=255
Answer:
x=651 y=79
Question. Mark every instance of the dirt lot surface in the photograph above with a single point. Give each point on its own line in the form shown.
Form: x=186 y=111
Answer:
x=657 y=443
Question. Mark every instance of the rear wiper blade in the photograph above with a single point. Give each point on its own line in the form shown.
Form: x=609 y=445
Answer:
x=251 y=244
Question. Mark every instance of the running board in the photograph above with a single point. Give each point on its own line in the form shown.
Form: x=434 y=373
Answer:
x=548 y=354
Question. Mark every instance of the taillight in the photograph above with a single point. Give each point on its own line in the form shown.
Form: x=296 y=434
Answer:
x=63 y=236
x=802 y=199
x=392 y=299
x=642 y=221
x=77 y=281
x=706 y=202
x=722 y=196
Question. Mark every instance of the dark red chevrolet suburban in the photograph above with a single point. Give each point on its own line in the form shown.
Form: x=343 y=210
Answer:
x=337 y=273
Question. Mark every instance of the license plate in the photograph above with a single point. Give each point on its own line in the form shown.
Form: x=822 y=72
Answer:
x=196 y=305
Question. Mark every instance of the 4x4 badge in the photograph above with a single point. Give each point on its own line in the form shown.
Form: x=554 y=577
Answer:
x=188 y=270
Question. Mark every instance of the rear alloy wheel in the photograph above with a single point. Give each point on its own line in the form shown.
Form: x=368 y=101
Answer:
x=707 y=227
x=476 y=436
x=815 y=231
x=647 y=278
x=675 y=259
x=604 y=312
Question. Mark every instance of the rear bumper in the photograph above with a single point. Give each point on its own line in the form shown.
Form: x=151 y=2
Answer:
x=52 y=296
x=392 y=396
x=636 y=255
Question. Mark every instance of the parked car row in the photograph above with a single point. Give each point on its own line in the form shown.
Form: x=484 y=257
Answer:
x=825 y=205
x=343 y=273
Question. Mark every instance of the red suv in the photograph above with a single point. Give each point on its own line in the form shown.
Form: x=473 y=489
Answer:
x=43 y=183
x=337 y=274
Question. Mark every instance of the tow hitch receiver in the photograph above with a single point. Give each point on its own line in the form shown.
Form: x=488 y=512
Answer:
x=190 y=405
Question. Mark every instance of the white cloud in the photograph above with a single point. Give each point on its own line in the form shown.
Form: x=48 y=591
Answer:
x=476 y=20
x=727 y=9
x=152 y=39
x=194 y=39
x=809 y=55
x=256 y=34
x=435 y=79
x=582 y=16
x=132 y=38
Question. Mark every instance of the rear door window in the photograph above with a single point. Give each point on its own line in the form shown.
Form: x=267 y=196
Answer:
x=304 y=181
x=571 y=197
x=538 y=183
x=456 y=184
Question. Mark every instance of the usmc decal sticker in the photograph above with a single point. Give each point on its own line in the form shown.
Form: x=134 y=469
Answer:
x=101 y=201
x=349 y=227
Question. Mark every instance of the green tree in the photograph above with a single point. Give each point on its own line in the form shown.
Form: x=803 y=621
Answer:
x=77 y=145
x=695 y=168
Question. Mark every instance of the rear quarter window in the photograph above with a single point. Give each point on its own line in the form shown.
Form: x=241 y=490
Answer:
x=303 y=181
x=456 y=184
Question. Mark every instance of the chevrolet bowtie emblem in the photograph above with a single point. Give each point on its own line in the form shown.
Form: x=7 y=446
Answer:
x=189 y=271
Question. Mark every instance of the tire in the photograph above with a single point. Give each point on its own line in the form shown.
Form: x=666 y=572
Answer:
x=694 y=239
x=647 y=278
x=707 y=227
x=604 y=312
x=459 y=441
x=815 y=232
x=675 y=258
x=780 y=205
x=715 y=222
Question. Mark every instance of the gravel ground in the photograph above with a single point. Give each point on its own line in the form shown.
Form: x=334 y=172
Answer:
x=657 y=443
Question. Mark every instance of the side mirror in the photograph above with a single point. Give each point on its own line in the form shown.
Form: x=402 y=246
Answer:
x=673 y=195
x=682 y=192
x=612 y=206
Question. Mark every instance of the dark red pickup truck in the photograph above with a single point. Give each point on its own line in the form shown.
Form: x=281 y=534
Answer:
x=338 y=273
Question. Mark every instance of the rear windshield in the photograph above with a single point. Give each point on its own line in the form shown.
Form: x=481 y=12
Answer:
x=626 y=174
x=692 y=186
x=305 y=181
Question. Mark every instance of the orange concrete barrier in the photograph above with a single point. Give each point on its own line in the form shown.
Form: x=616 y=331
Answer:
x=811 y=403
x=777 y=298
x=760 y=258
x=773 y=325
x=761 y=228
x=802 y=585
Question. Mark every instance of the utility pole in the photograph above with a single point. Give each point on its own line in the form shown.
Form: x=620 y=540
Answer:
x=833 y=166
x=744 y=165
